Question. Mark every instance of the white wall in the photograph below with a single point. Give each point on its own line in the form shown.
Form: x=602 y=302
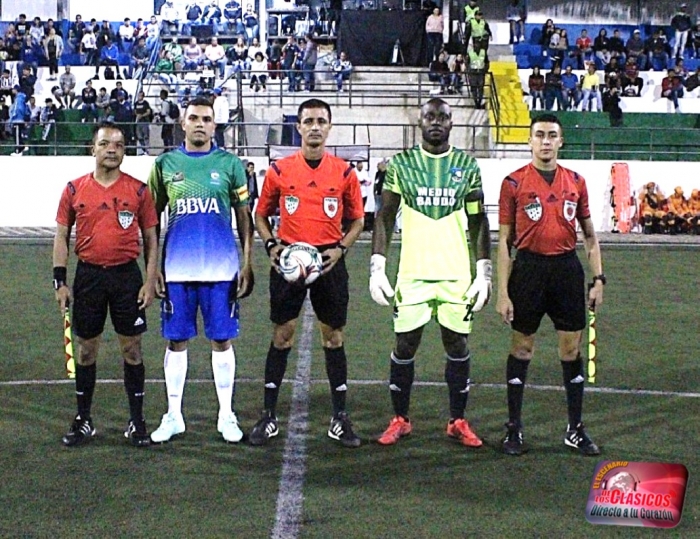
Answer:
x=45 y=9
x=33 y=185
x=111 y=11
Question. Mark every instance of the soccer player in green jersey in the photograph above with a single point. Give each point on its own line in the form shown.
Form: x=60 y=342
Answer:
x=439 y=189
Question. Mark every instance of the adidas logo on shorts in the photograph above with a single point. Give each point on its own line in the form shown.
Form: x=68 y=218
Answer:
x=139 y=322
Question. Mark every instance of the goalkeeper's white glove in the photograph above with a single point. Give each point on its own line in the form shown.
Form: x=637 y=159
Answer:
x=379 y=286
x=480 y=290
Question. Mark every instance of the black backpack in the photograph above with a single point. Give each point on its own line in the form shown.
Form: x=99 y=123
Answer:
x=173 y=111
x=109 y=73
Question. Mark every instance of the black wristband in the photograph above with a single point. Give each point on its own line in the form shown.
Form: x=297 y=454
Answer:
x=343 y=248
x=269 y=244
x=60 y=276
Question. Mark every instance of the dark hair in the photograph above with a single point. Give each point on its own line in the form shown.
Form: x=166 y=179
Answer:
x=201 y=101
x=106 y=124
x=545 y=118
x=314 y=104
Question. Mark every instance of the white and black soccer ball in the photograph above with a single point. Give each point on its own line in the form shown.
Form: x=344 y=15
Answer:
x=300 y=263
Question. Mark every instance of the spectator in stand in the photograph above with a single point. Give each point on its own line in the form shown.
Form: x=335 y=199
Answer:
x=617 y=47
x=681 y=24
x=611 y=100
x=238 y=56
x=253 y=193
x=176 y=53
x=27 y=80
x=251 y=23
x=553 y=46
x=53 y=48
x=143 y=116
x=221 y=117
x=553 y=89
x=590 y=87
x=233 y=15
x=570 y=88
x=109 y=57
x=193 y=13
x=365 y=183
x=680 y=69
x=212 y=15
x=152 y=33
x=75 y=33
x=632 y=84
x=635 y=49
x=6 y=83
x=36 y=31
x=692 y=82
x=4 y=118
x=439 y=72
x=168 y=123
x=65 y=93
x=516 y=15
x=274 y=59
x=584 y=49
x=672 y=88
x=165 y=70
x=139 y=59
x=470 y=9
x=30 y=54
x=310 y=60
x=170 y=18
x=89 y=98
x=193 y=55
x=11 y=44
x=88 y=48
x=258 y=72
x=479 y=30
x=434 y=28
x=561 y=50
x=140 y=30
x=679 y=208
x=658 y=55
x=458 y=73
x=255 y=48
x=126 y=35
x=102 y=103
x=612 y=67
x=22 y=26
x=342 y=69
x=536 y=87
x=34 y=112
x=476 y=72
x=19 y=116
x=215 y=56
x=601 y=47
x=694 y=41
x=124 y=115
x=114 y=94
x=104 y=35
x=290 y=54
x=547 y=31
x=48 y=117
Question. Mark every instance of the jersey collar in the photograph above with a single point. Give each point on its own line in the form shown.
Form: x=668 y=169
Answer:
x=213 y=148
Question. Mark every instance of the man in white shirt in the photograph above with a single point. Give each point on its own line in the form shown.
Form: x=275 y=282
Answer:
x=365 y=183
x=170 y=16
x=215 y=55
x=126 y=35
x=221 y=115
x=152 y=32
x=88 y=47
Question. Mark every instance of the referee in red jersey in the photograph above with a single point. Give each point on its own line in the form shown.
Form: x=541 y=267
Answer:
x=314 y=192
x=538 y=209
x=108 y=208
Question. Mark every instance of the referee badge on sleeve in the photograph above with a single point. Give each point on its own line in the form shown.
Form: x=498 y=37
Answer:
x=330 y=206
x=125 y=219
x=570 y=210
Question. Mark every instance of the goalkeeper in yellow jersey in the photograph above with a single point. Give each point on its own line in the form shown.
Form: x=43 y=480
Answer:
x=439 y=190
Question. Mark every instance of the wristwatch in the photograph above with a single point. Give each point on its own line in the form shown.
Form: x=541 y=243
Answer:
x=58 y=284
x=600 y=278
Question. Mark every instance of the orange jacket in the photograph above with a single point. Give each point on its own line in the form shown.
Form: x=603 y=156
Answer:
x=694 y=202
x=651 y=199
x=677 y=203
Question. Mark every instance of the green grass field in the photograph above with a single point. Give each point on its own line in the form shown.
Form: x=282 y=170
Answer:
x=424 y=487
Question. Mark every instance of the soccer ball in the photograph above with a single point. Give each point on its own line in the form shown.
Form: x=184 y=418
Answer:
x=300 y=263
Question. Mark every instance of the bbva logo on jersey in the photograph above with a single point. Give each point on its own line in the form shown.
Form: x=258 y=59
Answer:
x=188 y=206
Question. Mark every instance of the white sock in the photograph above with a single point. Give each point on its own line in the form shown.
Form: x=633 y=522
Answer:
x=224 y=366
x=175 y=368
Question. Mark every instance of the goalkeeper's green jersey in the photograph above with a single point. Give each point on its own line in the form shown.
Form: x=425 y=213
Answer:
x=434 y=244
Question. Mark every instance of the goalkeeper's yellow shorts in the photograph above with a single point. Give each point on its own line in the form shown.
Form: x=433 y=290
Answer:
x=416 y=302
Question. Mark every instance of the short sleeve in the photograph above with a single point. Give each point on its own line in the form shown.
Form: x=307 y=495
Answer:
x=239 y=185
x=66 y=214
x=268 y=203
x=506 y=202
x=391 y=181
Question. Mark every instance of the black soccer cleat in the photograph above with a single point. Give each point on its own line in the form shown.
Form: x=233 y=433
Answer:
x=578 y=439
x=81 y=431
x=137 y=434
x=340 y=429
x=513 y=443
x=264 y=429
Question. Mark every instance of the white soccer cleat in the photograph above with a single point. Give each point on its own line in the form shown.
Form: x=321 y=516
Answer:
x=171 y=425
x=229 y=428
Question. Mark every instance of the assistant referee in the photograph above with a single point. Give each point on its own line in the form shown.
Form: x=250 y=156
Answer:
x=108 y=208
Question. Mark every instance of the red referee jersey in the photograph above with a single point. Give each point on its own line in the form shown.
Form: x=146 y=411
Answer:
x=544 y=216
x=107 y=219
x=312 y=202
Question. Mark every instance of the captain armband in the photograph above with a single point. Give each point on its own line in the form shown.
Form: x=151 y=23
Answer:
x=475 y=208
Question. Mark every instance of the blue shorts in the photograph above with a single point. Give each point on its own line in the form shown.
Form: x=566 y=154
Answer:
x=218 y=304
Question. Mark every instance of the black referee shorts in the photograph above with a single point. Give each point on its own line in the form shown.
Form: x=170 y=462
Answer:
x=97 y=289
x=329 y=297
x=551 y=285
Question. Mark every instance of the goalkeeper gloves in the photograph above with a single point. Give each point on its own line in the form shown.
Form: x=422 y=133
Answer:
x=379 y=286
x=480 y=289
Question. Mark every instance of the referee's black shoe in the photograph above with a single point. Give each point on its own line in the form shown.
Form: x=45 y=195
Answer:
x=578 y=439
x=513 y=443
x=340 y=429
x=81 y=431
x=137 y=434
